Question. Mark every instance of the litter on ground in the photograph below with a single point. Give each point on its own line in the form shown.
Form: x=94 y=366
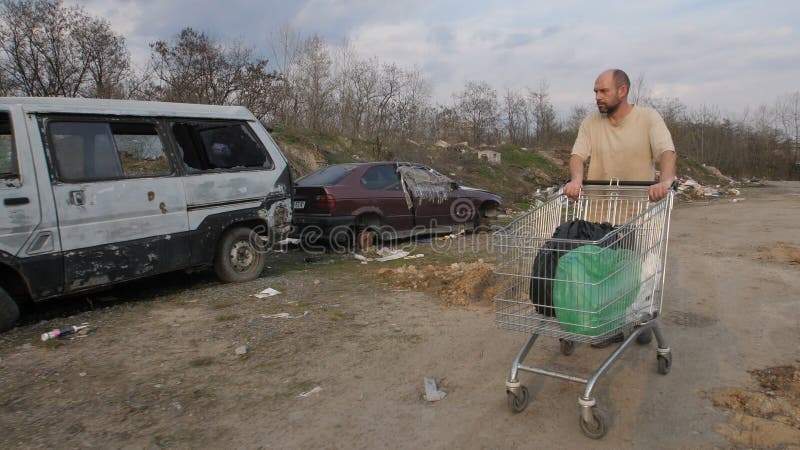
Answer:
x=432 y=392
x=283 y=315
x=268 y=292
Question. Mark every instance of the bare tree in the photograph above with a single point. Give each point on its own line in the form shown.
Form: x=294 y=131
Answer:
x=787 y=112
x=517 y=117
x=358 y=89
x=41 y=56
x=639 y=93
x=107 y=58
x=196 y=69
x=285 y=45
x=543 y=112
x=576 y=116
x=478 y=106
x=313 y=81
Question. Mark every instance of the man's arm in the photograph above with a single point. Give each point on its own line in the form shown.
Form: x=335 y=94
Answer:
x=573 y=188
x=666 y=164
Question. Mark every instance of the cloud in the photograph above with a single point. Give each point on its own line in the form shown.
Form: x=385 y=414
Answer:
x=729 y=53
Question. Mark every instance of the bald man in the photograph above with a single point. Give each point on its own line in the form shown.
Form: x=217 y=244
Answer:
x=622 y=141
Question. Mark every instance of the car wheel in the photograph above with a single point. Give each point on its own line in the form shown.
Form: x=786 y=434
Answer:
x=237 y=259
x=9 y=311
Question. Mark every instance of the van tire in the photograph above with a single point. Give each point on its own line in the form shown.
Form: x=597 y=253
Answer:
x=237 y=258
x=9 y=311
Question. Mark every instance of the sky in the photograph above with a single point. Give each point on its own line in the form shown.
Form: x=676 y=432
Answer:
x=731 y=55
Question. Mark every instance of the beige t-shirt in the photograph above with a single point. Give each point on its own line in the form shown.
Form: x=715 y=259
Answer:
x=626 y=151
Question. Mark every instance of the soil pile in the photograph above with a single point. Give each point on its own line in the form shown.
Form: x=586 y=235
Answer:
x=766 y=418
x=457 y=284
x=781 y=252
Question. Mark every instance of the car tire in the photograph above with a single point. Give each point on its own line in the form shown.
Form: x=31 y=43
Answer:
x=237 y=259
x=9 y=311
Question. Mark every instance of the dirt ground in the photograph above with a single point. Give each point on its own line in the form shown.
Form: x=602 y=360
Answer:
x=344 y=367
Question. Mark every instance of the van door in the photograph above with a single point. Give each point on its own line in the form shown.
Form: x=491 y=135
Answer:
x=121 y=206
x=19 y=201
x=230 y=177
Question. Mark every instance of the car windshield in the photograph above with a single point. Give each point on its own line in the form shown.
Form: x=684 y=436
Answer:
x=327 y=176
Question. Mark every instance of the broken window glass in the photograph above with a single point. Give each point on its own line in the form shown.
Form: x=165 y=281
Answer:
x=424 y=183
x=219 y=146
x=8 y=160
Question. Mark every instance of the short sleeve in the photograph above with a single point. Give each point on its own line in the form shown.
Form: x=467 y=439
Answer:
x=660 y=137
x=583 y=143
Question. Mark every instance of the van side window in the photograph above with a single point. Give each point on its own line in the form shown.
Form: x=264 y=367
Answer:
x=8 y=159
x=219 y=146
x=90 y=151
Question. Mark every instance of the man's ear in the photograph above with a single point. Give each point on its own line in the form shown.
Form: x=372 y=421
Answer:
x=623 y=90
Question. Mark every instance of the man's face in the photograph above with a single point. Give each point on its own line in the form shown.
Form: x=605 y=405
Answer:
x=606 y=94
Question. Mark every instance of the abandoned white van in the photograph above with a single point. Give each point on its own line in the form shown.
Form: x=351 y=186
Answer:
x=97 y=192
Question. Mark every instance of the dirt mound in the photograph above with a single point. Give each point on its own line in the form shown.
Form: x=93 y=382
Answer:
x=457 y=284
x=766 y=418
x=782 y=252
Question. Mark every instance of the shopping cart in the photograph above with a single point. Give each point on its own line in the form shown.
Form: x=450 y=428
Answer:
x=584 y=291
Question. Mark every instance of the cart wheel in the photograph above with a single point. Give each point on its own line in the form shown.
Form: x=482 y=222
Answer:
x=596 y=430
x=567 y=347
x=518 y=401
x=664 y=363
x=645 y=337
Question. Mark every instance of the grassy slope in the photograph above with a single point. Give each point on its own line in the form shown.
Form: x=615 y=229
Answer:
x=518 y=175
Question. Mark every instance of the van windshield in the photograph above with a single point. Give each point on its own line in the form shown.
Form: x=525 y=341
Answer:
x=8 y=160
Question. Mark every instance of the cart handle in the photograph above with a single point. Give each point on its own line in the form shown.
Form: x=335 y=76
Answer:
x=625 y=183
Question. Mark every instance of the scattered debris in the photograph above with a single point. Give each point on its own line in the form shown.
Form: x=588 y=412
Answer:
x=268 y=292
x=451 y=235
x=432 y=393
x=388 y=254
x=309 y=393
x=690 y=188
x=418 y=255
x=241 y=350
x=283 y=315
x=63 y=331
x=288 y=241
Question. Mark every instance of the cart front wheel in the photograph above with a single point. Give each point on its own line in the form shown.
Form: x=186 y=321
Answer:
x=598 y=428
x=518 y=401
x=567 y=347
x=664 y=363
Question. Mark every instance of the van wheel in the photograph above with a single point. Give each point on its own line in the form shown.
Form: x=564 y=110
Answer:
x=9 y=311
x=237 y=259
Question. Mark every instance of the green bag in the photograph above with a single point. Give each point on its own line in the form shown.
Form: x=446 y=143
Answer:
x=593 y=288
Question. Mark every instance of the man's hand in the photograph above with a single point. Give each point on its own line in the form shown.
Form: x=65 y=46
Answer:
x=573 y=189
x=658 y=191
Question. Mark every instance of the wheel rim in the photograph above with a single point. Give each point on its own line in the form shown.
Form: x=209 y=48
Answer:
x=242 y=256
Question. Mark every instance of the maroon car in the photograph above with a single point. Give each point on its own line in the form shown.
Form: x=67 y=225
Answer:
x=394 y=199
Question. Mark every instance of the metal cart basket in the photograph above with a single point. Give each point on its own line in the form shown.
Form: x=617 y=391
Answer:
x=588 y=291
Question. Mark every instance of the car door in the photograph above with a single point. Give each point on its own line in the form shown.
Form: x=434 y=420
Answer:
x=431 y=195
x=381 y=186
x=121 y=208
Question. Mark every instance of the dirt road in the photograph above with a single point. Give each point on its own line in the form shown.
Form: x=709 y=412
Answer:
x=345 y=369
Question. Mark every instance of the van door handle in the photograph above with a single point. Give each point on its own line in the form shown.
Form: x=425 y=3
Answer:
x=76 y=198
x=15 y=201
